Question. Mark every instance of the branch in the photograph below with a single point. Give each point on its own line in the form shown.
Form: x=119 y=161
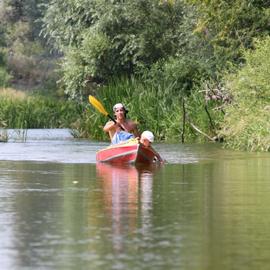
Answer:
x=198 y=130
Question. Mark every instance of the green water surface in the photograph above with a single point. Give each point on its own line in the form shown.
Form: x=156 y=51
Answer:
x=207 y=209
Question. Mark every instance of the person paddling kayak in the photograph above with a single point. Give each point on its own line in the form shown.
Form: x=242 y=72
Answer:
x=124 y=129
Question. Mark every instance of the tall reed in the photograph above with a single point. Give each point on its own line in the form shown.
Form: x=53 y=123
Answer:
x=155 y=108
x=18 y=110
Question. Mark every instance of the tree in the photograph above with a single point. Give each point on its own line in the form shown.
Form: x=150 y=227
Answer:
x=230 y=26
x=102 y=39
x=25 y=51
x=247 y=120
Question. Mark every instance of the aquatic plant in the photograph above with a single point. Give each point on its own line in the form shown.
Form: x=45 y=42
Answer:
x=22 y=111
x=156 y=108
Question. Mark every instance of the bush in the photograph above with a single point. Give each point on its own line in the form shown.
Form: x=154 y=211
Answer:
x=247 y=121
x=4 y=77
x=32 y=70
x=18 y=110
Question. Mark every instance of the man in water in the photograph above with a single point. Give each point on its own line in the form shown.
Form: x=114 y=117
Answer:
x=124 y=129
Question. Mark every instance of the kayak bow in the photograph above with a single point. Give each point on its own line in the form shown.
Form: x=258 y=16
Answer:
x=127 y=152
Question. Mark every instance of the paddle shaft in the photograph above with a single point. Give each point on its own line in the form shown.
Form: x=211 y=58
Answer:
x=98 y=105
x=116 y=122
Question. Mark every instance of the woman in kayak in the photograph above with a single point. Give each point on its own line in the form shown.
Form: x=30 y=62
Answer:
x=124 y=129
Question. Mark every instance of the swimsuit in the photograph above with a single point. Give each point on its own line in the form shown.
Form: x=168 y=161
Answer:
x=121 y=136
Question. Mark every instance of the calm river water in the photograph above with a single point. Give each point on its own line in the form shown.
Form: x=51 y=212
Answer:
x=207 y=208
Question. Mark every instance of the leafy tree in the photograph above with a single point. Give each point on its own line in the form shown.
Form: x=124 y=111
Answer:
x=230 y=26
x=102 y=39
x=64 y=21
x=26 y=52
x=247 y=120
x=29 y=11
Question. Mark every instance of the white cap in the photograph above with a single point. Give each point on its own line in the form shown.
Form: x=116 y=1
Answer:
x=148 y=135
x=119 y=106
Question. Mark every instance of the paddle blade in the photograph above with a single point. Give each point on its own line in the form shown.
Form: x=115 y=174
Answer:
x=97 y=105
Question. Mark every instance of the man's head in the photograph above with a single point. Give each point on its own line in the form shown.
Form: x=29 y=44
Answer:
x=147 y=137
x=119 y=108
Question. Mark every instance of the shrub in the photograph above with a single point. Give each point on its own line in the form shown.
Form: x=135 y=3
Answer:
x=247 y=120
x=4 y=77
x=18 y=110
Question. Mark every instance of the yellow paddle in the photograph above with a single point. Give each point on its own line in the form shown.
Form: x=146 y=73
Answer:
x=101 y=109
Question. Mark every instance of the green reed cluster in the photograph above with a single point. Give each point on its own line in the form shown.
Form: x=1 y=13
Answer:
x=154 y=108
x=37 y=112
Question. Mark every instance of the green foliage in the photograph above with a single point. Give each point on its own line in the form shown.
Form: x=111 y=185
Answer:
x=136 y=96
x=24 y=12
x=251 y=83
x=4 y=77
x=113 y=39
x=65 y=21
x=95 y=46
x=27 y=58
x=37 y=112
x=154 y=108
x=157 y=53
x=2 y=34
x=247 y=120
x=79 y=66
x=247 y=129
x=230 y=26
x=181 y=74
x=74 y=70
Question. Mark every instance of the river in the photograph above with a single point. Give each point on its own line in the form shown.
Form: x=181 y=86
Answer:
x=207 y=208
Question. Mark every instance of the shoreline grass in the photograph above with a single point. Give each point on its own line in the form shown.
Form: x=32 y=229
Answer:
x=21 y=110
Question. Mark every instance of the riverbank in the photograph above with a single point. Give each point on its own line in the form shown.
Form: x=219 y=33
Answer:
x=24 y=110
x=171 y=119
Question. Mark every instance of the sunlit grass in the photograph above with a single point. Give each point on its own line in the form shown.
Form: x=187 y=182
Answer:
x=21 y=110
x=158 y=109
x=247 y=121
x=12 y=93
x=246 y=130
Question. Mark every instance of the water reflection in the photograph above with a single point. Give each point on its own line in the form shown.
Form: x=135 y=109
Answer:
x=210 y=214
x=127 y=198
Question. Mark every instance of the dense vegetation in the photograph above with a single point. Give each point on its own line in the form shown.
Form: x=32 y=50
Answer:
x=189 y=70
x=247 y=121
x=21 y=111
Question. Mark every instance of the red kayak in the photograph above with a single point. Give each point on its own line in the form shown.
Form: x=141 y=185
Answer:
x=128 y=152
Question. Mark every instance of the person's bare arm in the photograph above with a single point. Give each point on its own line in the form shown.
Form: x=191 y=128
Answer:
x=109 y=126
x=157 y=156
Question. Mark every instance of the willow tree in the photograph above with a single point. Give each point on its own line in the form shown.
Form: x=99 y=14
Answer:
x=230 y=26
x=102 y=39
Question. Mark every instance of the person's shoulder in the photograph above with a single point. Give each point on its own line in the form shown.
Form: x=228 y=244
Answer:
x=131 y=122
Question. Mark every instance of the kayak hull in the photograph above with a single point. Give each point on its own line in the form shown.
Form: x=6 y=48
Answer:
x=129 y=152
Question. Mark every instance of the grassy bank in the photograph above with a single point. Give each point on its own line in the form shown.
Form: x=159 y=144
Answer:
x=247 y=121
x=21 y=110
